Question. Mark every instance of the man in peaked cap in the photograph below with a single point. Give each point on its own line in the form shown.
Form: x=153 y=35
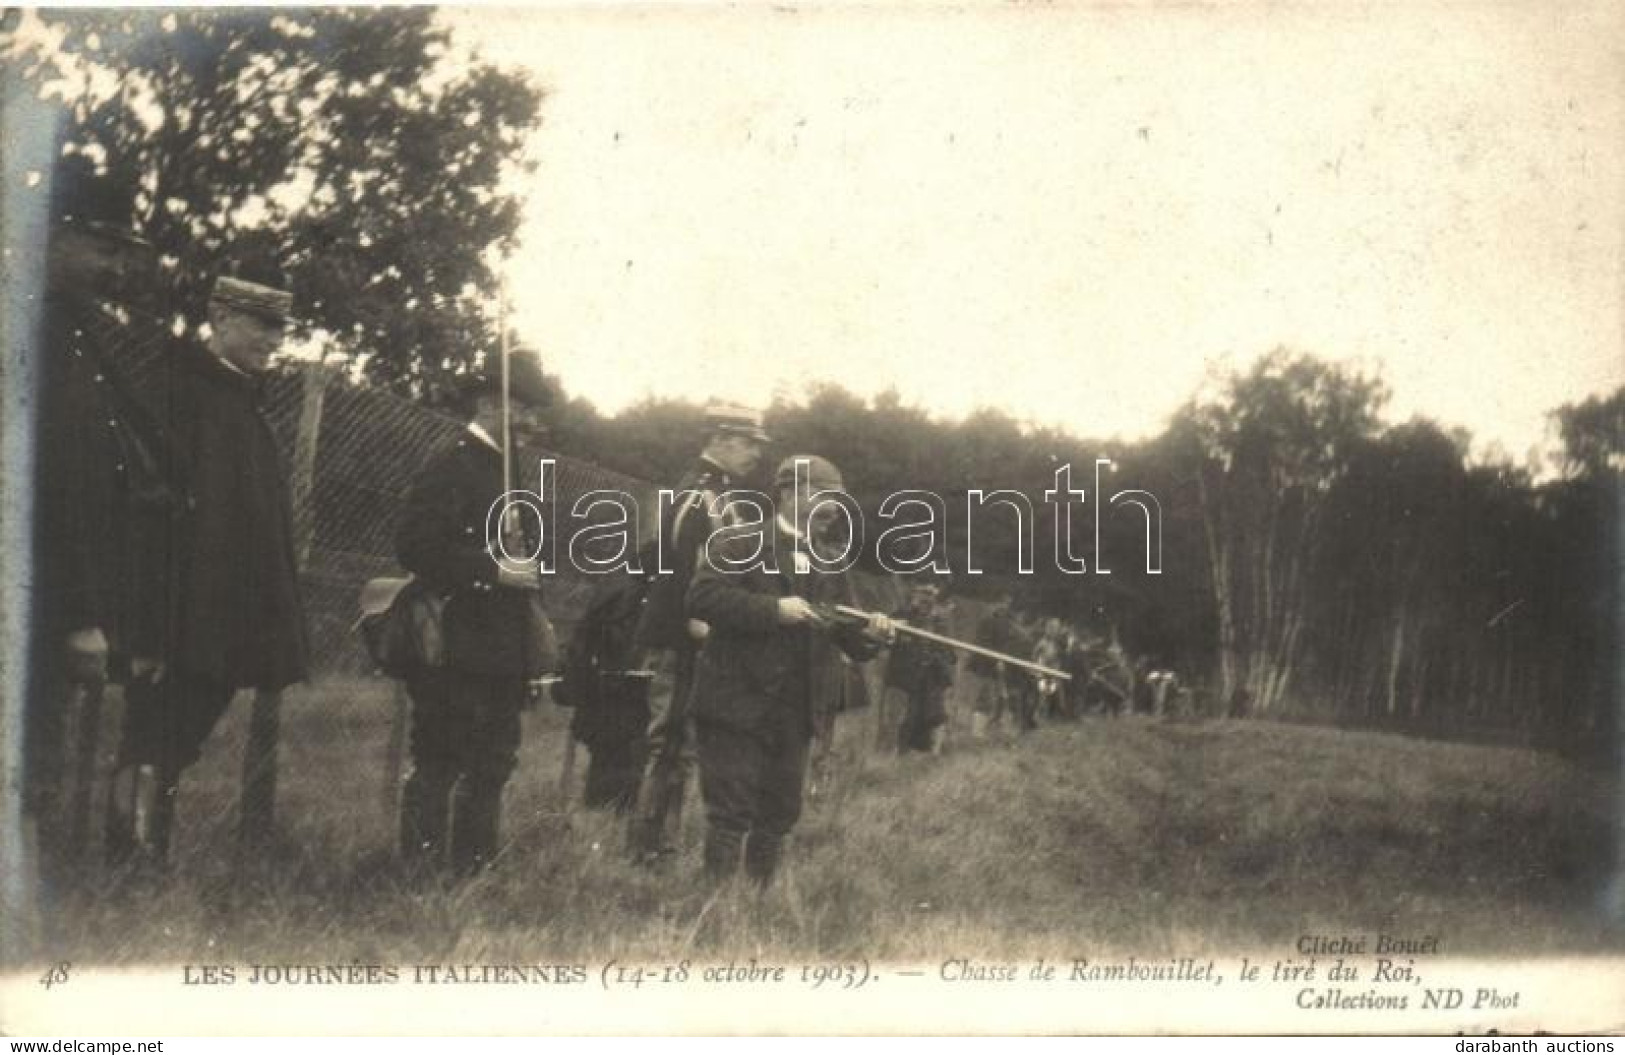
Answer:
x=771 y=668
x=98 y=475
x=495 y=634
x=232 y=598
x=668 y=638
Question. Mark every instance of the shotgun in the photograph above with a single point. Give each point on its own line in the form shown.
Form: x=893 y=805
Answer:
x=843 y=614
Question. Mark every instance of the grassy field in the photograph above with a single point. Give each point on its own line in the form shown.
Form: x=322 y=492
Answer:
x=1125 y=835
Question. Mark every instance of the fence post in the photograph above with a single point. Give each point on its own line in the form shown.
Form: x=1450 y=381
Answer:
x=257 y=804
x=257 y=796
x=87 y=718
x=885 y=734
x=302 y=480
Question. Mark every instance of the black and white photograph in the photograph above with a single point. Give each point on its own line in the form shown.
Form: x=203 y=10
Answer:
x=925 y=518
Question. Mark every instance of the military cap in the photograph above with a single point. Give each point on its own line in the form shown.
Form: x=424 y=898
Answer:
x=267 y=302
x=820 y=473
x=737 y=420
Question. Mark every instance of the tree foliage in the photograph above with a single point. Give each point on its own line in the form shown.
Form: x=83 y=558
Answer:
x=341 y=146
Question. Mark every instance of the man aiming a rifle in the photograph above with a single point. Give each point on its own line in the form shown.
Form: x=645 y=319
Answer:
x=770 y=665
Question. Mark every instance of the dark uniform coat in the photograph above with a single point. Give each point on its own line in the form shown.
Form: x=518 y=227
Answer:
x=685 y=524
x=106 y=502
x=996 y=630
x=487 y=629
x=235 y=595
x=755 y=675
x=103 y=501
x=919 y=666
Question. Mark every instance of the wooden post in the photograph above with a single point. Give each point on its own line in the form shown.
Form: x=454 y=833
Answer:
x=884 y=731
x=85 y=741
x=302 y=482
x=567 y=769
x=256 y=805
x=394 y=749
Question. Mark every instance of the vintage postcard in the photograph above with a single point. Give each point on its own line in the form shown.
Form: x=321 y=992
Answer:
x=1065 y=518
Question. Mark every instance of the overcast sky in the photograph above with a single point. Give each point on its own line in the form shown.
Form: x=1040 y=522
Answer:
x=1070 y=212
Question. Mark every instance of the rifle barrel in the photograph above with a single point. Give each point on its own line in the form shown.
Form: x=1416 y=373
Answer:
x=963 y=646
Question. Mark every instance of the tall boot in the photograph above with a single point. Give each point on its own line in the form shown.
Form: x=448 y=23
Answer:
x=476 y=816
x=425 y=809
x=762 y=854
x=119 y=817
x=722 y=846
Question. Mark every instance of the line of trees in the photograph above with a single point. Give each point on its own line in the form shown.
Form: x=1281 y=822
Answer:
x=1319 y=563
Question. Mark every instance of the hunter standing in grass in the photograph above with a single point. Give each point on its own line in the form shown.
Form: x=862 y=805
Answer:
x=669 y=639
x=771 y=664
x=495 y=637
x=99 y=478
x=235 y=616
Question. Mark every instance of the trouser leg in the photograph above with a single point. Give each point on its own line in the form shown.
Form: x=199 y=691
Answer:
x=671 y=753
x=722 y=846
x=752 y=786
x=763 y=851
x=425 y=816
x=613 y=774
x=45 y=766
x=488 y=711
x=780 y=784
x=166 y=724
x=476 y=824
x=730 y=764
x=426 y=795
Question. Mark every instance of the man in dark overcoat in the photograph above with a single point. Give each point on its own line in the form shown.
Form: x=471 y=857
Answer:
x=770 y=668
x=98 y=475
x=231 y=584
x=668 y=637
x=496 y=638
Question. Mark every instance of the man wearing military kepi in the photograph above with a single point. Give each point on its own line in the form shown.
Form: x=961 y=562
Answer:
x=769 y=668
x=495 y=637
x=232 y=604
x=99 y=477
x=668 y=637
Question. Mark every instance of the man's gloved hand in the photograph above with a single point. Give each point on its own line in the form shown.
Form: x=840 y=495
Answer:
x=795 y=611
